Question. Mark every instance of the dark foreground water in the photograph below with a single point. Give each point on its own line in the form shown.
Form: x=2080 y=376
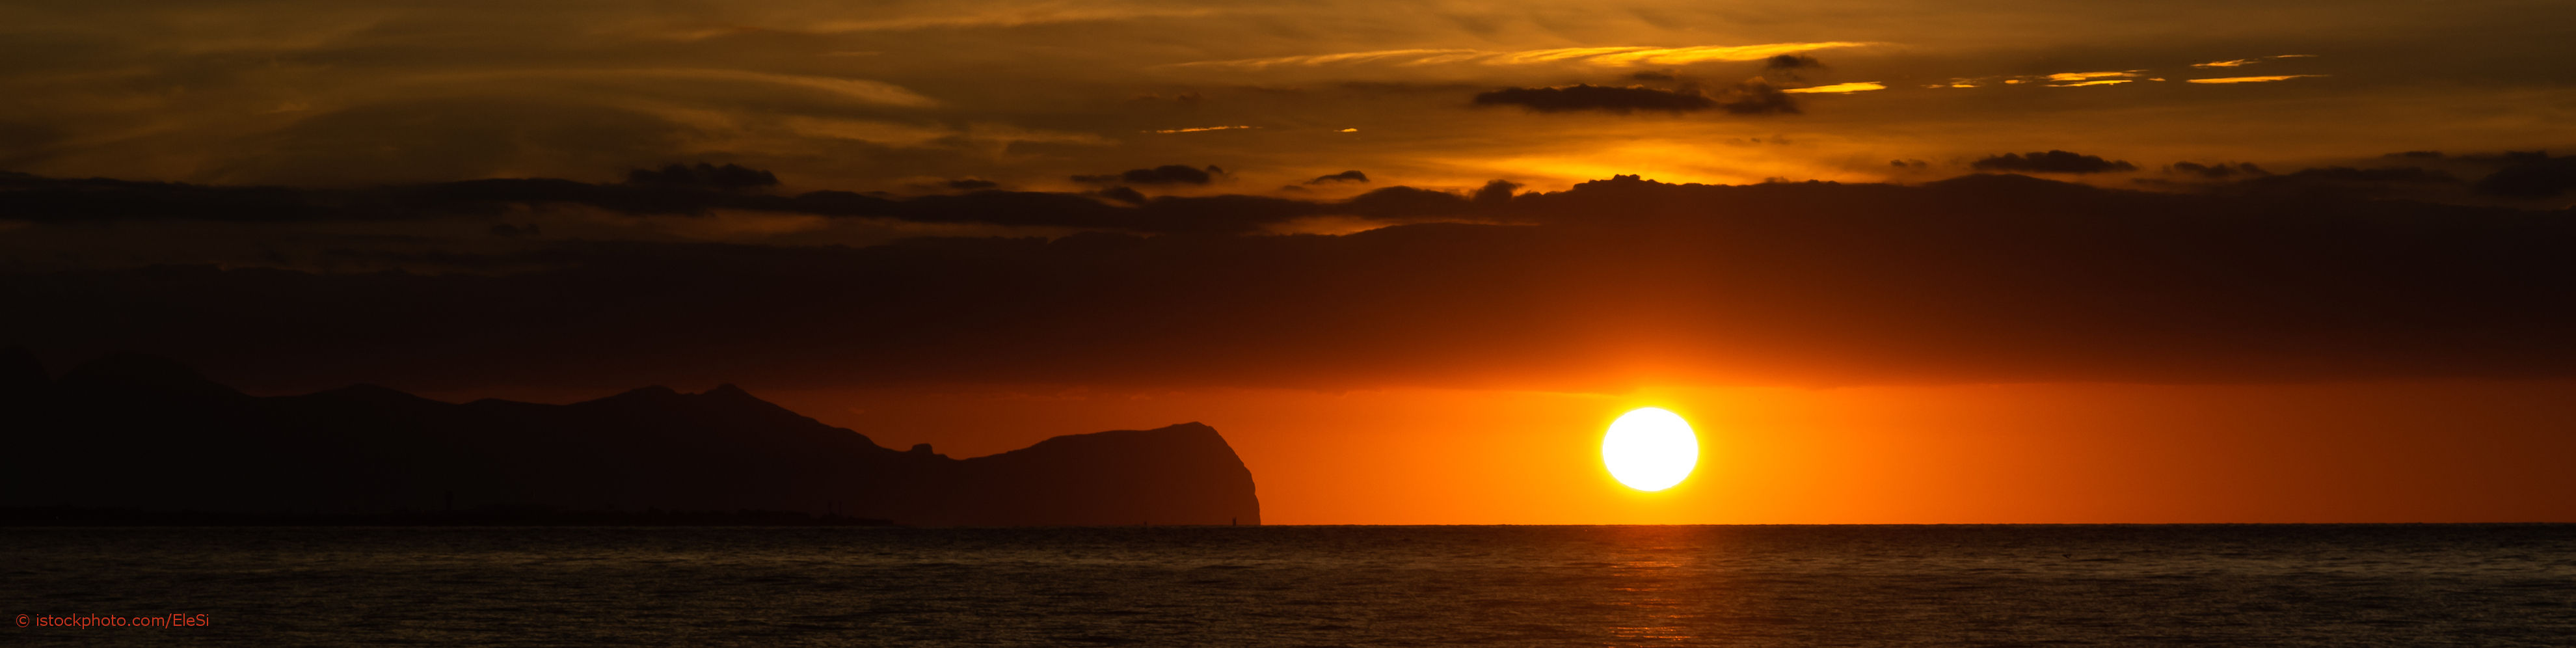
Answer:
x=2463 y=585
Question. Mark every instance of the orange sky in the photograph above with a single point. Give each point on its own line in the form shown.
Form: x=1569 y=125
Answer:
x=2455 y=451
x=902 y=95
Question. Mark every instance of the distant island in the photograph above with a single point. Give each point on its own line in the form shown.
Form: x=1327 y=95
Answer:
x=137 y=437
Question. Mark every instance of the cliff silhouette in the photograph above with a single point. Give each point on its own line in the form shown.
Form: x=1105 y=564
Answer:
x=143 y=433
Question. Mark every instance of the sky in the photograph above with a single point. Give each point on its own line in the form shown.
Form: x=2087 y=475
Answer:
x=1897 y=262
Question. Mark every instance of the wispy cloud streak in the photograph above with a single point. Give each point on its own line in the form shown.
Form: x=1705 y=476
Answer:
x=2255 y=79
x=1841 y=88
x=2248 y=61
x=1600 y=56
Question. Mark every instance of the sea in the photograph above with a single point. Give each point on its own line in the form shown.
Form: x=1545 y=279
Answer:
x=1972 y=585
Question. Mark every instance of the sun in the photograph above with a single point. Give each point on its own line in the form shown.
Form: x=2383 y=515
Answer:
x=1650 y=449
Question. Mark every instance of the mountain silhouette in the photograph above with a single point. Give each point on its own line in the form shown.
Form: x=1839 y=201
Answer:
x=145 y=433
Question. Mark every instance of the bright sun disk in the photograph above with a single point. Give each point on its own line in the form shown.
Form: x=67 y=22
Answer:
x=1650 y=449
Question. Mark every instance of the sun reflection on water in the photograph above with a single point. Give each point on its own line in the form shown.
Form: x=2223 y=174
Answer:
x=1647 y=590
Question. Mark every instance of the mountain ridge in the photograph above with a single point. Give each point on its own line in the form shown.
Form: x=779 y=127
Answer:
x=133 y=431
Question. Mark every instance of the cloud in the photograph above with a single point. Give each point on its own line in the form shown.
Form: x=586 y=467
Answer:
x=959 y=184
x=1004 y=16
x=31 y=198
x=1123 y=194
x=2531 y=175
x=1199 y=129
x=28 y=199
x=1687 y=55
x=1623 y=56
x=860 y=90
x=1408 y=203
x=1751 y=97
x=1756 y=96
x=1168 y=174
x=2089 y=76
x=2341 y=182
x=1402 y=56
x=2218 y=170
x=1184 y=99
x=886 y=133
x=730 y=177
x=1840 y=88
x=2254 y=79
x=1602 y=98
x=34 y=199
x=1785 y=62
x=2066 y=79
x=2051 y=161
x=2247 y=61
x=2387 y=174
x=1604 y=287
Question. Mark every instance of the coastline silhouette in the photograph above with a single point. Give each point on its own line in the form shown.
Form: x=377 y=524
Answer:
x=151 y=436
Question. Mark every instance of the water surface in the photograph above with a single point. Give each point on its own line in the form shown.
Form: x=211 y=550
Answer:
x=2122 y=585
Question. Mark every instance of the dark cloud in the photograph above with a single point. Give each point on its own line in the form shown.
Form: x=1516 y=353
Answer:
x=1122 y=194
x=1653 y=75
x=1756 y=97
x=1791 y=62
x=1407 y=203
x=1751 y=97
x=2377 y=175
x=35 y=198
x=1498 y=191
x=2330 y=182
x=1229 y=214
x=2511 y=175
x=1911 y=165
x=1602 y=98
x=1981 y=279
x=2531 y=174
x=729 y=177
x=2345 y=181
x=960 y=184
x=1161 y=175
x=49 y=200
x=2051 y=161
x=2218 y=170
x=1186 y=99
x=1345 y=176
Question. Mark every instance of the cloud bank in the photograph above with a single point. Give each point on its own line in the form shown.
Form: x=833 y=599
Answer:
x=1609 y=285
x=2051 y=161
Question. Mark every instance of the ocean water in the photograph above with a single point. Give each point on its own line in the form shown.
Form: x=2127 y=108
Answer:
x=2222 y=585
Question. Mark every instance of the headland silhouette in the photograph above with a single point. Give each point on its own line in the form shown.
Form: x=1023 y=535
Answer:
x=152 y=437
